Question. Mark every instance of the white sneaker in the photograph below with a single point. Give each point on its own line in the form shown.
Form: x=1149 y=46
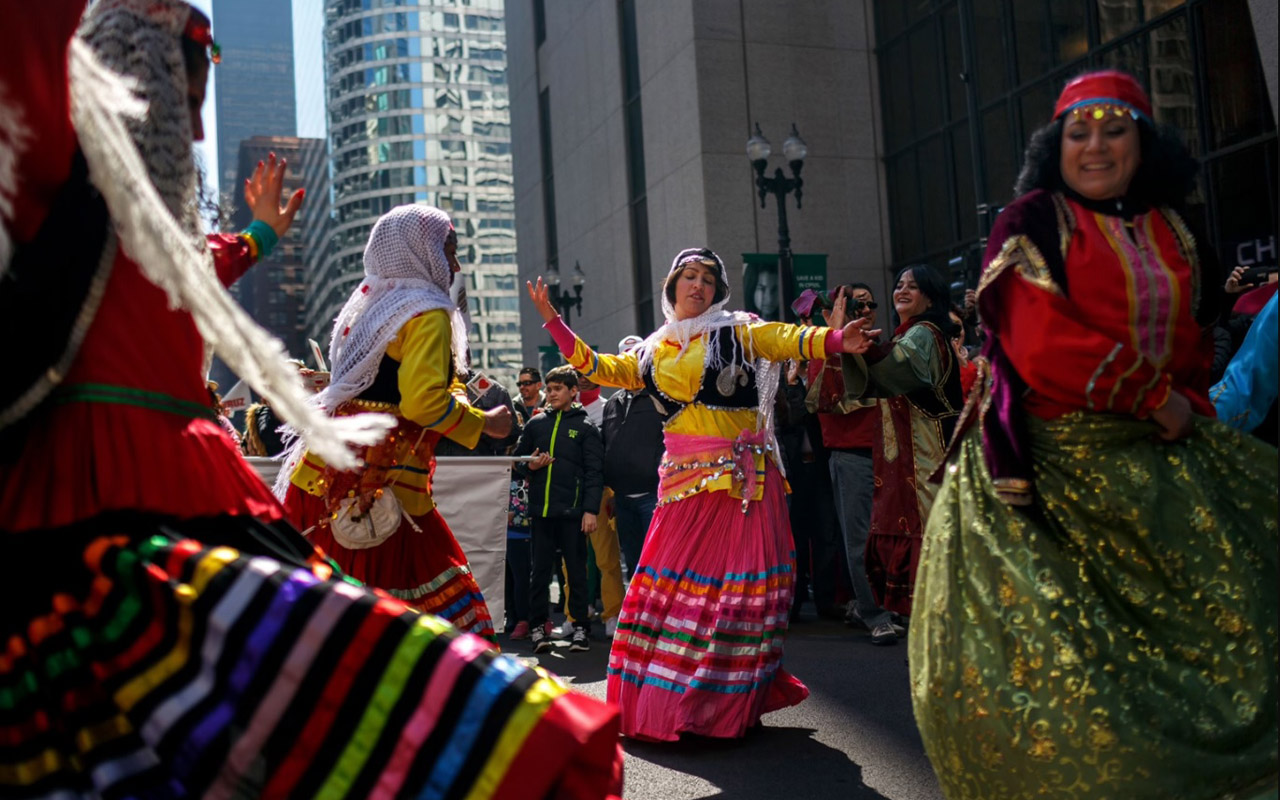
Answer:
x=610 y=625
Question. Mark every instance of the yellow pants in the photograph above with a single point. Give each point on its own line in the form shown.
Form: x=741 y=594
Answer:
x=608 y=560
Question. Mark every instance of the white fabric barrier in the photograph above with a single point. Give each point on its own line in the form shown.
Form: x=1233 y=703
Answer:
x=472 y=493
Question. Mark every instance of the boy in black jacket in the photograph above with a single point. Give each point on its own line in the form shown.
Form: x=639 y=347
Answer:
x=566 y=478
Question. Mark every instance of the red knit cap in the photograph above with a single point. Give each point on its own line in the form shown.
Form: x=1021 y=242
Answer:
x=1107 y=90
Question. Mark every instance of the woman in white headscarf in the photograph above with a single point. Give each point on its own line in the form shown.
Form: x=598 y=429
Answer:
x=398 y=347
x=698 y=646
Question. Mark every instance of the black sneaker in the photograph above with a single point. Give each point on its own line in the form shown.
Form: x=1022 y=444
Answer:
x=538 y=638
x=579 y=641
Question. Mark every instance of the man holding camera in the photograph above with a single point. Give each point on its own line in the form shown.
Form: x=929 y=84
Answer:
x=848 y=430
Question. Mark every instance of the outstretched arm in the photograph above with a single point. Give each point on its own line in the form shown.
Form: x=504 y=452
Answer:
x=607 y=370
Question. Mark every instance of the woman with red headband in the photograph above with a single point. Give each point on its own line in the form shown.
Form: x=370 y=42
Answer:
x=1096 y=601
x=170 y=634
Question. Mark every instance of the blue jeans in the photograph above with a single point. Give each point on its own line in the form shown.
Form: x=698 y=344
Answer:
x=633 y=515
x=854 y=481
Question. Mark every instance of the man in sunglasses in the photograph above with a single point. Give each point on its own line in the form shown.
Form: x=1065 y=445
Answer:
x=531 y=399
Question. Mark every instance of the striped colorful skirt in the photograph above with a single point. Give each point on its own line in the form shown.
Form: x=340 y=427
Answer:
x=156 y=667
x=699 y=643
x=424 y=568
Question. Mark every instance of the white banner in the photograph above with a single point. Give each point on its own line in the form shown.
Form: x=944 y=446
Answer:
x=473 y=494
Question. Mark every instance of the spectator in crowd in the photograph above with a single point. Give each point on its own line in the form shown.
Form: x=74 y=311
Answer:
x=170 y=634
x=849 y=431
x=492 y=395
x=1245 y=398
x=968 y=369
x=811 y=505
x=632 y=453
x=399 y=344
x=566 y=479
x=262 y=426
x=918 y=376
x=531 y=398
x=519 y=559
x=1098 y=584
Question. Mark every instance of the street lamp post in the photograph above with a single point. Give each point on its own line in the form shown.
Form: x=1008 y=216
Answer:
x=562 y=300
x=795 y=150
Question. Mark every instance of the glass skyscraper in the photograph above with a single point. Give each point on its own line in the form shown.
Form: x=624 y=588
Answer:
x=418 y=112
x=255 y=91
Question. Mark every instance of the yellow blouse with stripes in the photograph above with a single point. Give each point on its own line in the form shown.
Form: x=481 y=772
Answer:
x=428 y=397
x=679 y=376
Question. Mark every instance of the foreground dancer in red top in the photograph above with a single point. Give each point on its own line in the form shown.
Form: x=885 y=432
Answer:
x=1096 y=602
x=173 y=637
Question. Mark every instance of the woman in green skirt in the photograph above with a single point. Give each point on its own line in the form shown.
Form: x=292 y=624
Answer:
x=1096 y=602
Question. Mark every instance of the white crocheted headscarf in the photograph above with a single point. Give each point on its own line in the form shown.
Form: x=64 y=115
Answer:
x=709 y=323
x=406 y=273
x=129 y=108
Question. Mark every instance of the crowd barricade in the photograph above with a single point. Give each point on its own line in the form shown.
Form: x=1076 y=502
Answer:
x=473 y=494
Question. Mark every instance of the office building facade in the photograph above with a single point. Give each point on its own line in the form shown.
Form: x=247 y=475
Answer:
x=254 y=86
x=630 y=121
x=418 y=112
x=274 y=290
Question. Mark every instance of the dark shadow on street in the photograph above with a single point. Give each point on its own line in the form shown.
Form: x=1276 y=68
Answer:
x=752 y=767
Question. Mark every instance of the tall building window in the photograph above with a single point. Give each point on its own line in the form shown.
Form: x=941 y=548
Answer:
x=1197 y=59
x=642 y=273
x=548 y=179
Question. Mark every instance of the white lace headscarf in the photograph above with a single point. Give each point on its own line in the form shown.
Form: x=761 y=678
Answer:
x=711 y=324
x=129 y=109
x=406 y=273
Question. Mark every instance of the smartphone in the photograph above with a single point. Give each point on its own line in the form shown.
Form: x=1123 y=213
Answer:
x=1256 y=276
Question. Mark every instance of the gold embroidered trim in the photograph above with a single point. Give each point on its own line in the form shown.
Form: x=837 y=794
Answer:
x=1020 y=253
x=1066 y=222
x=1187 y=242
x=1097 y=373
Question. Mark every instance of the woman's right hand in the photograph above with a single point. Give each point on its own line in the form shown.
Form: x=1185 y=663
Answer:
x=497 y=422
x=1174 y=417
x=539 y=294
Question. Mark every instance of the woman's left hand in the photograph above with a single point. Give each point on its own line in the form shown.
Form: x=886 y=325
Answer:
x=262 y=195
x=1174 y=417
x=539 y=294
x=857 y=339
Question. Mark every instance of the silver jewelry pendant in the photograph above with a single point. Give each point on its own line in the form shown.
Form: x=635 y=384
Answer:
x=729 y=379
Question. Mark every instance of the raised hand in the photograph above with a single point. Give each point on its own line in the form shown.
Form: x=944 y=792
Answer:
x=541 y=298
x=262 y=195
x=857 y=339
x=839 y=310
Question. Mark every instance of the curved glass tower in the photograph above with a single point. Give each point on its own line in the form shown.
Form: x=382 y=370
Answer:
x=417 y=108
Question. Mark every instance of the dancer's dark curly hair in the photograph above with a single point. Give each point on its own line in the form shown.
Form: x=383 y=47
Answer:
x=1166 y=175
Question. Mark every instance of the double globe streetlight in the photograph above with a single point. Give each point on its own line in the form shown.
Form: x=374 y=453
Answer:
x=795 y=150
x=562 y=300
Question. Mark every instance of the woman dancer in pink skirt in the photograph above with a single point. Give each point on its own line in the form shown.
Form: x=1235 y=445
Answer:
x=699 y=642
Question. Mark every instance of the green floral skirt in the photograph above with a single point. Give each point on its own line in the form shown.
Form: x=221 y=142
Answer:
x=1117 y=638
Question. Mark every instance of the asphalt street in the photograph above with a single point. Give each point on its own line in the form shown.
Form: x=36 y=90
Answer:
x=854 y=738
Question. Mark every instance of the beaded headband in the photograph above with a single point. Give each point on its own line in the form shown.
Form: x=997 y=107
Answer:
x=1105 y=93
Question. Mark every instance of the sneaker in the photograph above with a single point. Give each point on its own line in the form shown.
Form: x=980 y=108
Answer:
x=610 y=627
x=541 y=643
x=520 y=631
x=564 y=631
x=884 y=633
x=547 y=627
x=579 y=641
